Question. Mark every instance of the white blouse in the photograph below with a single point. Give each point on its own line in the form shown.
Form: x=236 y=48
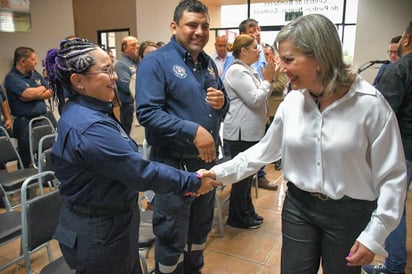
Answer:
x=352 y=148
x=247 y=114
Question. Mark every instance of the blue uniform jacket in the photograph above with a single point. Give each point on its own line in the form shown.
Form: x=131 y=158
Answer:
x=98 y=164
x=171 y=98
x=15 y=83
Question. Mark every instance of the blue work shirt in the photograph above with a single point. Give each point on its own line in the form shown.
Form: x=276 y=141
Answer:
x=125 y=68
x=16 y=83
x=171 y=98
x=98 y=164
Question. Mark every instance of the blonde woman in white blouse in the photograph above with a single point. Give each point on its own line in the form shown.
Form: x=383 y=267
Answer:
x=244 y=124
x=342 y=156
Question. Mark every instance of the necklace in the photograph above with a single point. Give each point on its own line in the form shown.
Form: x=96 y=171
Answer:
x=316 y=97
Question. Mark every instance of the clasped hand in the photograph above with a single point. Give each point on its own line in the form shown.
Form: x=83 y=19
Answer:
x=208 y=182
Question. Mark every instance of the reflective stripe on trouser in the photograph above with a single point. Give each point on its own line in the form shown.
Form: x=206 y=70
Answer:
x=178 y=220
x=170 y=268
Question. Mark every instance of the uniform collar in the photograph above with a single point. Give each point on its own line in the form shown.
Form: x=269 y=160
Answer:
x=105 y=107
x=186 y=56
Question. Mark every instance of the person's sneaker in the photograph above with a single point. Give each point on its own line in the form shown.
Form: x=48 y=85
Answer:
x=258 y=218
x=266 y=184
x=253 y=224
x=278 y=165
x=375 y=269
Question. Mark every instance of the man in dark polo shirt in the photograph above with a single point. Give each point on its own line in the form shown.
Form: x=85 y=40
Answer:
x=26 y=91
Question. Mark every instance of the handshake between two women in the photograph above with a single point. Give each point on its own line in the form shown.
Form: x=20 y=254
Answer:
x=208 y=182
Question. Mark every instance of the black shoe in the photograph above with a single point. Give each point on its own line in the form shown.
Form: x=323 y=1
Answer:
x=266 y=184
x=258 y=218
x=252 y=225
x=278 y=165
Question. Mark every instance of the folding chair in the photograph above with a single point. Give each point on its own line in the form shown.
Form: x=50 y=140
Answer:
x=39 y=218
x=11 y=179
x=39 y=127
x=146 y=239
x=10 y=229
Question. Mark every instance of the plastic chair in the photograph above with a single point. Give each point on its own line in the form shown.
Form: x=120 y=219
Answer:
x=39 y=218
x=11 y=180
x=39 y=127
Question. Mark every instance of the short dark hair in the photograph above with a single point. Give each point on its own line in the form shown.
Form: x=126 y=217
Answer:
x=245 y=24
x=22 y=53
x=408 y=29
x=395 y=39
x=190 y=6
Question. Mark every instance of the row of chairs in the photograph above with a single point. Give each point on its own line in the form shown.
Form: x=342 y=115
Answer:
x=35 y=224
x=41 y=139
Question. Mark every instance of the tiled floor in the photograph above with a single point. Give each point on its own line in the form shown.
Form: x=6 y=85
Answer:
x=239 y=251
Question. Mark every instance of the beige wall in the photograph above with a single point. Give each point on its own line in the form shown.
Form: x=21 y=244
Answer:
x=93 y=15
x=378 y=21
x=52 y=20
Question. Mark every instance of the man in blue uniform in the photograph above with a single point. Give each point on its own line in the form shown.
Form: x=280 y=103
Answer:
x=26 y=91
x=125 y=68
x=181 y=103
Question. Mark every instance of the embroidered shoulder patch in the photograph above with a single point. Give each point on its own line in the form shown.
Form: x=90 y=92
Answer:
x=179 y=71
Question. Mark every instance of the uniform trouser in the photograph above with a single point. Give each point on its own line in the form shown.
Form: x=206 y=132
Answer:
x=21 y=133
x=126 y=116
x=241 y=209
x=315 y=231
x=100 y=244
x=395 y=244
x=181 y=225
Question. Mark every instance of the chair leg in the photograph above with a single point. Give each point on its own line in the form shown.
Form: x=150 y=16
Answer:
x=218 y=206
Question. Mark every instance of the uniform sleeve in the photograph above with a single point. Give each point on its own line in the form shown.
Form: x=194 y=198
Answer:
x=105 y=149
x=150 y=89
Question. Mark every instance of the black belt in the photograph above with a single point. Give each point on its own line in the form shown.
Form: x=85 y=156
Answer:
x=102 y=211
x=28 y=117
x=181 y=155
x=298 y=193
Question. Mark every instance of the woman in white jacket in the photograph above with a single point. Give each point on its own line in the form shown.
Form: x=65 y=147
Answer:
x=244 y=124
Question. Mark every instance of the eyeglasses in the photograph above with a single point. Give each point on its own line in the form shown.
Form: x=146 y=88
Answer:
x=391 y=52
x=110 y=72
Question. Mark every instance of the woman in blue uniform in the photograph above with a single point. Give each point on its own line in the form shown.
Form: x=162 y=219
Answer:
x=99 y=167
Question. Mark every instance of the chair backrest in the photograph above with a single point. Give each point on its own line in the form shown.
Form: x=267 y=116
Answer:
x=39 y=216
x=38 y=128
x=44 y=152
x=8 y=150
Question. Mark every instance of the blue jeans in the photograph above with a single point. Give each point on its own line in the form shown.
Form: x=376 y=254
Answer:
x=395 y=244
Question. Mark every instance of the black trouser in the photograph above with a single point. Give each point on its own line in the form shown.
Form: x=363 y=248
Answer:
x=241 y=209
x=315 y=231
x=21 y=133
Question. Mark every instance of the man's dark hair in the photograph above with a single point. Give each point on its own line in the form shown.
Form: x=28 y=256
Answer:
x=395 y=39
x=22 y=53
x=408 y=29
x=245 y=24
x=190 y=6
